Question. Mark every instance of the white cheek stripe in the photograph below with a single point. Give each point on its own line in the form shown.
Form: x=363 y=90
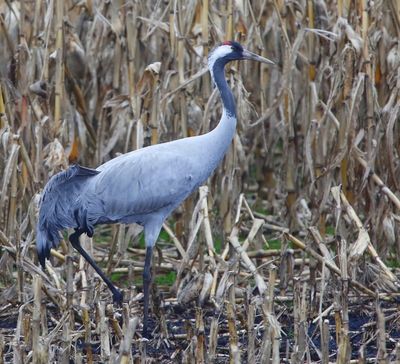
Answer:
x=217 y=53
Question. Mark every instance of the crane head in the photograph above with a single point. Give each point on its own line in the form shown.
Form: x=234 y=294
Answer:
x=232 y=51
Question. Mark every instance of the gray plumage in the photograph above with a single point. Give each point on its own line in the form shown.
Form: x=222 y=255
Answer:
x=143 y=186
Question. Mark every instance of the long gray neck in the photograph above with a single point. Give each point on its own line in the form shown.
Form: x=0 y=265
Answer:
x=218 y=75
x=221 y=137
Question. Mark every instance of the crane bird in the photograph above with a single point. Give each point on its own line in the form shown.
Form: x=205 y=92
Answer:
x=143 y=186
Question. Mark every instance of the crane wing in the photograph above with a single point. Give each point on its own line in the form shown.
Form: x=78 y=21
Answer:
x=143 y=183
x=57 y=206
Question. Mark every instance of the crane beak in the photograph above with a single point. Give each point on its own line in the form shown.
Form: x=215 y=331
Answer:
x=255 y=57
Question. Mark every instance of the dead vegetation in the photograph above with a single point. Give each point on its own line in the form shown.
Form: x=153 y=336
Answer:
x=313 y=171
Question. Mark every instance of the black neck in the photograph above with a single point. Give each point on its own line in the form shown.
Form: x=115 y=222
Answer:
x=226 y=94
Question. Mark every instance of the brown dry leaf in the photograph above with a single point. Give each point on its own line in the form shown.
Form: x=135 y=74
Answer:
x=7 y=173
x=361 y=244
x=205 y=291
x=388 y=227
x=191 y=290
x=75 y=57
x=73 y=155
x=344 y=30
x=391 y=150
x=55 y=157
x=240 y=27
x=338 y=209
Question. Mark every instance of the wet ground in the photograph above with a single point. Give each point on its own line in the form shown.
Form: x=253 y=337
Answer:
x=180 y=325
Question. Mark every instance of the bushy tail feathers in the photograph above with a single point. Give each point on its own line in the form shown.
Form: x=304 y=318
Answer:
x=42 y=246
x=56 y=210
x=44 y=243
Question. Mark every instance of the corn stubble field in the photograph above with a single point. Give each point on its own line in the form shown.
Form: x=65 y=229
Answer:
x=289 y=253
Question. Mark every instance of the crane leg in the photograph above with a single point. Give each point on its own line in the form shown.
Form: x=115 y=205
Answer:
x=74 y=239
x=146 y=288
